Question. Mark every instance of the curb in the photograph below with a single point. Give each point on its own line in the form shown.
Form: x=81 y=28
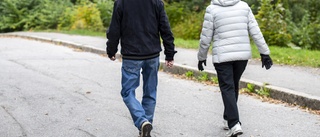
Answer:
x=283 y=94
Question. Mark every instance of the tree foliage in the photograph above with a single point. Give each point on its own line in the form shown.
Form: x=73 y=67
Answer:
x=105 y=7
x=84 y=15
x=283 y=22
x=192 y=5
x=303 y=18
x=17 y=15
x=272 y=23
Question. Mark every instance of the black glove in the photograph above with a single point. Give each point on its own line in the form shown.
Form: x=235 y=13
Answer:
x=266 y=61
x=200 y=67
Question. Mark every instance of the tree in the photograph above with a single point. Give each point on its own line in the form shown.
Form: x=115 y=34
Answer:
x=272 y=22
x=18 y=15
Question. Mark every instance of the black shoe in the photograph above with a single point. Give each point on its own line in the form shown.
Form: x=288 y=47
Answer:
x=146 y=129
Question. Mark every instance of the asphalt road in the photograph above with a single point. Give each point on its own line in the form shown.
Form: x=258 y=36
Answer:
x=54 y=91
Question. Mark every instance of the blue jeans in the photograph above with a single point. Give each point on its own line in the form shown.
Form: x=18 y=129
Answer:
x=144 y=111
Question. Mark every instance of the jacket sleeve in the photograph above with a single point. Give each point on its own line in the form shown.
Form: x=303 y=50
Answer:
x=114 y=32
x=256 y=35
x=166 y=34
x=206 y=35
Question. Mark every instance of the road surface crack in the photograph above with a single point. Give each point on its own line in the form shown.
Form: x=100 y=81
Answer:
x=35 y=70
x=88 y=133
x=24 y=134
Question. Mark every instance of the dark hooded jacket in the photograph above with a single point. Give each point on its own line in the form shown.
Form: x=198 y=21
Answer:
x=138 y=25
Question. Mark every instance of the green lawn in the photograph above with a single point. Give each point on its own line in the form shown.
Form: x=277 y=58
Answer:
x=279 y=55
x=78 y=32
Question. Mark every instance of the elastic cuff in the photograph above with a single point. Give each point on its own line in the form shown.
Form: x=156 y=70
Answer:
x=111 y=55
x=170 y=56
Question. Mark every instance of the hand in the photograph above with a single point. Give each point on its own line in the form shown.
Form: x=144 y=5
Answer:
x=200 y=67
x=266 y=61
x=113 y=58
x=169 y=64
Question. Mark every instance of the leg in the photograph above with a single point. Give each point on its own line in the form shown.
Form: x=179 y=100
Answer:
x=227 y=87
x=238 y=69
x=150 y=82
x=130 y=81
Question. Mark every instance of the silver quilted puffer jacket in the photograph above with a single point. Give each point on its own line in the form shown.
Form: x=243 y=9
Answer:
x=228 y=23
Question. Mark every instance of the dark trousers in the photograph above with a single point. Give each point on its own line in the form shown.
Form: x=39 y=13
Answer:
x=229 y=74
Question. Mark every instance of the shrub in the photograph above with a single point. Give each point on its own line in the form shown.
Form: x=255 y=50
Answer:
x=84 y=15
x=13 y=14
x=185 y=24
x=190 y=28
x=315 y=35
x=267 y=17
x=18 y=15
x=176 y=13
x=306 y=33
x=105 y=7
x=46 y=17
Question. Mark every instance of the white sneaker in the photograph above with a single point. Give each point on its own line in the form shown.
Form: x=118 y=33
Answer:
x=225 y=125
x=235 y=130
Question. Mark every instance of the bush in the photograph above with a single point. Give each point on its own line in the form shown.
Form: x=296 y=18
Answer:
x=190 y=28
x=176 y=13
x=18 y=15
x=315 y=35
x=48 y=14
x=306 y=32
x=185 y=24
x=105 y=7
x=84 y=15
x=267 y=17
x=14 y=14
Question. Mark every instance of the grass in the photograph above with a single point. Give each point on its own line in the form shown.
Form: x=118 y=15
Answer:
x=188 y=44
x=279 y=55
x=294 y=57
x=77 y=32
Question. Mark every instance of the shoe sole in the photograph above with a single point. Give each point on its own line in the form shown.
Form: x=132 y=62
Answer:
x=146 y=129
x=237 y=133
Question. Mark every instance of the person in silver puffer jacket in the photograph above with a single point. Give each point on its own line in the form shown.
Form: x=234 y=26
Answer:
x=229 y=25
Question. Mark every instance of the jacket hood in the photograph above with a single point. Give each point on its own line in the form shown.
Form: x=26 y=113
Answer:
x=224 y=2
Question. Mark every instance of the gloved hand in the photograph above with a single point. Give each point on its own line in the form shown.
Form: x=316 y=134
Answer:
x=200 y=67
x=266 y=61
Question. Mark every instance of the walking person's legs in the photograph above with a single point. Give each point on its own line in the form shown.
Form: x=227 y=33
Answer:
x=225 y=74
x=238 y=69
x=226 y=84
x=150 y=83
x=141 y=113
x=130 y=81
x=229 y=74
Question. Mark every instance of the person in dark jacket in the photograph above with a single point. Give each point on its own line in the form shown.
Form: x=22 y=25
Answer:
x=138 y=25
